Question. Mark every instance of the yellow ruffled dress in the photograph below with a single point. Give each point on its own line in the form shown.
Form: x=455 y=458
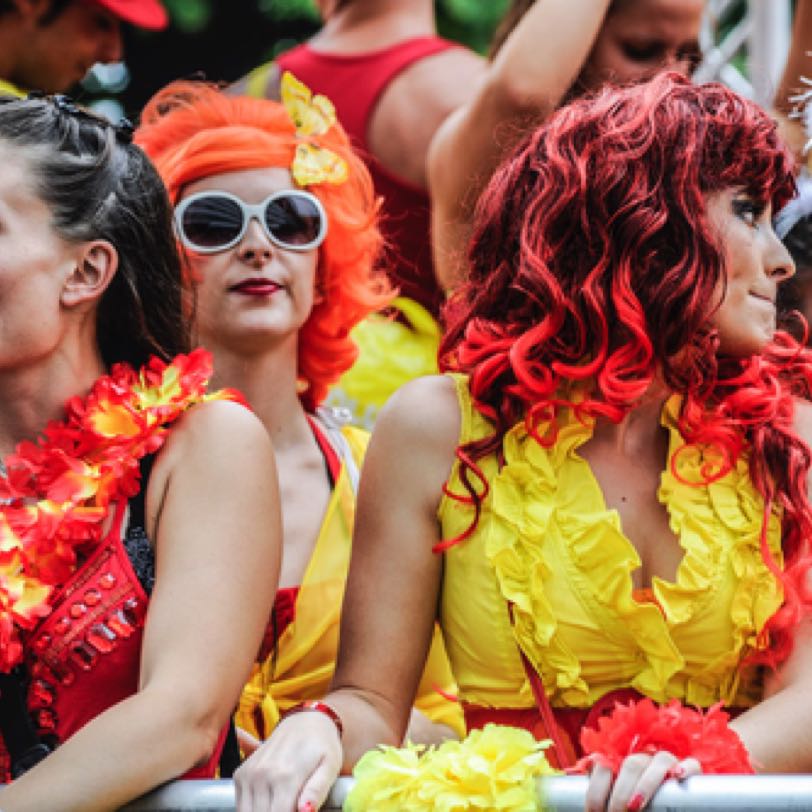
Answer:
x=547 y=544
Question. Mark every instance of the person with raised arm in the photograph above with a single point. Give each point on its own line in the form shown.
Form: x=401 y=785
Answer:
x=544 y=53
x=604 y=499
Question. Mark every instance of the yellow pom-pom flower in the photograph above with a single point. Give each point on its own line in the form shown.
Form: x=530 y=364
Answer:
x=492 y=769
x=386 y=780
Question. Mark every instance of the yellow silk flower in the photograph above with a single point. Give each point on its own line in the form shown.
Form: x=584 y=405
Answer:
x=312 y=116
x=492 y=769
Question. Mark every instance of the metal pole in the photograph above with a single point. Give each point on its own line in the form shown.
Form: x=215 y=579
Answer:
x=768 y=46
x=712 y=793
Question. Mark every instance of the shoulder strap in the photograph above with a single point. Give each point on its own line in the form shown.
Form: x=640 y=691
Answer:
x=332 y=423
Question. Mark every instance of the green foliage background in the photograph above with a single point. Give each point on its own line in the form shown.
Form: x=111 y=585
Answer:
x=224 y=39
x=468 y=21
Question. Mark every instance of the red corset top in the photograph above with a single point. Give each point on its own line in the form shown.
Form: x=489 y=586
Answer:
x=85 y=655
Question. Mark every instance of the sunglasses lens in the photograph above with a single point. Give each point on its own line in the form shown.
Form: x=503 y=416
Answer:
x=293 y=220
x=212 y=221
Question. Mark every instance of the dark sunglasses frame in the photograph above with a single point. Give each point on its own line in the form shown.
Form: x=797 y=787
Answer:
x=255 y=211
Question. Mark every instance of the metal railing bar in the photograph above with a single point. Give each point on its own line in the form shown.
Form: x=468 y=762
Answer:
x=712 y=793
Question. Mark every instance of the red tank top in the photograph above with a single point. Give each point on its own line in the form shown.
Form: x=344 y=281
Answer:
x=354 y=83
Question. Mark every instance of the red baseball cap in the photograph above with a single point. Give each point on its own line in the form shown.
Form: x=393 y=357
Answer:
x=143 y=13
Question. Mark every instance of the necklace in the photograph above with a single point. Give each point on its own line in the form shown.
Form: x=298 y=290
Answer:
x=55 y=493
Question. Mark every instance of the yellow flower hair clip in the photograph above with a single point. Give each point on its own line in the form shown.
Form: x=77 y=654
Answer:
x=312 y=116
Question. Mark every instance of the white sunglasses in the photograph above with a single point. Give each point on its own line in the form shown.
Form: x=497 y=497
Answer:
x=212 y=221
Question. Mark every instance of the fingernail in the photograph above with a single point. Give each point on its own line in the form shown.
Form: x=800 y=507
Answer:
x=636 y=803
x=308 y=807
x=678 y=772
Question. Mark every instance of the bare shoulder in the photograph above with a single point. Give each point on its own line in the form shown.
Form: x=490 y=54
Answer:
x=425 y=411
x=210 y=427
x=414 y=105
x=419 y=428
x=213 y=445
x=444 y=80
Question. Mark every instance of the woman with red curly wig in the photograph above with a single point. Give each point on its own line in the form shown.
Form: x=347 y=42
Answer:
x=604 y=499
x=278 y=223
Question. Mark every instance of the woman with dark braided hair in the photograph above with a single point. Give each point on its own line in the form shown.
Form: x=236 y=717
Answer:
x=604 y=499
x=136 y=510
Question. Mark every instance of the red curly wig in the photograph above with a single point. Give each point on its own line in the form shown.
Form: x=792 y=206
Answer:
x=593 y=268
x=191 y=130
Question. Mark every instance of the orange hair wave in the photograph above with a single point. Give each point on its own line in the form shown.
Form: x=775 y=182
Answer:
x=192 y=130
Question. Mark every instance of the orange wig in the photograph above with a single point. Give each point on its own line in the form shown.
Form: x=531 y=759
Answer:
x=191 y=130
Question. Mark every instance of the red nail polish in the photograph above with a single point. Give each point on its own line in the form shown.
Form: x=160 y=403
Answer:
x=636 y=803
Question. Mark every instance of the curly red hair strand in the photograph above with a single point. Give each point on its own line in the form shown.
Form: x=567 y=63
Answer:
x=593 y=269
x=191 y=130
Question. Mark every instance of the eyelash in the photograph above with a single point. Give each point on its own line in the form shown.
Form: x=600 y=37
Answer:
x=646 y=53
x=748 y=210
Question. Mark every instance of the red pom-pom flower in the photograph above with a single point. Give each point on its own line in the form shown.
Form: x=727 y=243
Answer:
x=643 y=727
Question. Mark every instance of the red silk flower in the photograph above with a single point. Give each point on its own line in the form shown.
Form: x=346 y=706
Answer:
x=643 y=727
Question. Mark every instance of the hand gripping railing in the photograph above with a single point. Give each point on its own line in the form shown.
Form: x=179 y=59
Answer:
x=742 y=793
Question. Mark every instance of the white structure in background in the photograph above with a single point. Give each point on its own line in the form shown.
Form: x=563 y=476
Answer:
x=763 y=32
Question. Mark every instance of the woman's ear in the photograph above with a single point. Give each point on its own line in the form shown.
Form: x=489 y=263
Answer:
x=95 y=267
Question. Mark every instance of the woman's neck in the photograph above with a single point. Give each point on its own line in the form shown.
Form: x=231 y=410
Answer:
x=369 y=25
x=640 y=426
x=269 y=384
x=34 y=394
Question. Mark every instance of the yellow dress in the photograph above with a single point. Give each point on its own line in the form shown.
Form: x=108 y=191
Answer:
x=306 y=651
x=547 y=543
x=391 y=352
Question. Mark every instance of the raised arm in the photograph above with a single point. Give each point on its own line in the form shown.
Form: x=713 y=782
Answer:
x=390 y=606
x=527 y=80
x=212 y=509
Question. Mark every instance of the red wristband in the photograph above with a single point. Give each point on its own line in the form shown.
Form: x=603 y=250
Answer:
x=319 y=707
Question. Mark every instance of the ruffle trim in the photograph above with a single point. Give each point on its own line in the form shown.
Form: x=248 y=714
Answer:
x=714 y=523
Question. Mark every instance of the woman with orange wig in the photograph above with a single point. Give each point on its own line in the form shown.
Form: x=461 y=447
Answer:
x=278 y=222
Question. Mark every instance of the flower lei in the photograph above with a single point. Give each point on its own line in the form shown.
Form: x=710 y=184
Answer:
x=492 y=769
x=643 y=727
x=57 y=491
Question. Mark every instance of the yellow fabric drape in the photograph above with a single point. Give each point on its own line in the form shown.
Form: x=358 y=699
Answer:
x=306 y=650
x=8 y=89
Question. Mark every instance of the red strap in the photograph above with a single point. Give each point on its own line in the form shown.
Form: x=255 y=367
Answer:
x=331 y=458
x=563 y=754
x=354 y=82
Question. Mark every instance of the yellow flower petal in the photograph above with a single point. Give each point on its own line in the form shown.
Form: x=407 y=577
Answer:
x=313 y=164
x=113 y=420
x=311 y=115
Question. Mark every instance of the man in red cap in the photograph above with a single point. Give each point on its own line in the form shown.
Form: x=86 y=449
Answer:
x=50 y=45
